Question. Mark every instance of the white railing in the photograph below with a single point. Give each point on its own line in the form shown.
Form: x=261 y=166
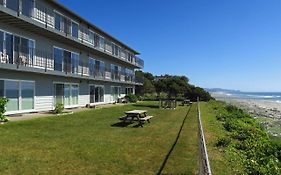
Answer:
x=204 y=164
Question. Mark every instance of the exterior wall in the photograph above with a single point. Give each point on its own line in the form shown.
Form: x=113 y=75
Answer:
x=45 y=44
x=44 y=88
x=44 y=83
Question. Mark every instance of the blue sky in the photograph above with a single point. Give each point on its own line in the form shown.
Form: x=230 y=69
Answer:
x=234 y=44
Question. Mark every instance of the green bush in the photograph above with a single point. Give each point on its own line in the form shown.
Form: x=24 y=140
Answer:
x=223 y=142
x=59 y=108
x=132 y=98
x=3 y=103
x=246 y=142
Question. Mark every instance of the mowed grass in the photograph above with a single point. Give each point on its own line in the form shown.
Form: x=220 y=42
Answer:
x=92 y=142
x=213 y=130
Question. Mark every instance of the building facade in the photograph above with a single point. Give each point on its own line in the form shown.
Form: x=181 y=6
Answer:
x=50 y=55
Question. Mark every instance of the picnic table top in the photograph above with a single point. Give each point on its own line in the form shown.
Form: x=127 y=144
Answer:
x=136 y=112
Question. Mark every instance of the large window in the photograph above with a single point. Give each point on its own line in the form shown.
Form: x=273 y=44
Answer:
x=91 y=66
x=15 y=49
x=129 y=90
x=12 y=4
x=74 y=62
x=66 y=61
x=99 y=69
x=19 y=93
x=75 y=29
x=115 y=92
x=27 y=95
x=66 y=94
x=99 y=94
x=58 y=56
x=12 y=93
x=28 y=7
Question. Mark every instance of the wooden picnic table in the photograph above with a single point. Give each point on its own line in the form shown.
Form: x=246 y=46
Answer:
x=140 y=115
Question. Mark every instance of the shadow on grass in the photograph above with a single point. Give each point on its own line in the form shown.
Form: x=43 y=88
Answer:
x=126 y=124
x=121 y=124
x=146 y=105
x=175 y=143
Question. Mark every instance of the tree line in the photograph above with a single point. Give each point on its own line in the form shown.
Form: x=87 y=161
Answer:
x=169 y=86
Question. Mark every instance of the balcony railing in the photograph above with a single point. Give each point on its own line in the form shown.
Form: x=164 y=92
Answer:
x=31 y=57
x=38 y=11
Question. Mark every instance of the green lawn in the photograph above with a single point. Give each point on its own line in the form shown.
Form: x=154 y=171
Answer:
x=92 y=142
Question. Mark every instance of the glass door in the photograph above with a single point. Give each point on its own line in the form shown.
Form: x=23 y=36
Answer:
x=67 y=95
x=12 y=93
x=115 y=93
x=9 y=47
x=58 y=54
x=59 y=93
x=67 y=61
x=92 y=94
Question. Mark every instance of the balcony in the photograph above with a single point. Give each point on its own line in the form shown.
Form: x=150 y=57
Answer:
x=35 y=16
x=29 y=59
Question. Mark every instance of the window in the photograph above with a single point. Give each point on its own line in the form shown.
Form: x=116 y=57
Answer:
x=12 y=4
x=91 y=66
x=27 y=95
x=115 y=72
x=99 y=94
x=1 y=2
x=1 y=45
x=58 y=56
x=92 y=37
x=57 y=21
x=66 y=94
x=9 y=42
x=129 y=90
x=27 y=7
x=59 y=93
x=12 y=93
x=74 y=94
x=115 y=92
x=74 y=30
x=99 y=69
x=66 y=61
x=75 y=62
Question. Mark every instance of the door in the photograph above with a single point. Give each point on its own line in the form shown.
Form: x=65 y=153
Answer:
x=9 y=47
x=59 y=93
x=92 y=94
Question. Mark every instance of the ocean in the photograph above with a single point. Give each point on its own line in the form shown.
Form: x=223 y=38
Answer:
x=268 y=96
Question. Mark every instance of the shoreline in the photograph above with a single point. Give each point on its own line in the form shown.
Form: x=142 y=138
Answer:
x=267 y=113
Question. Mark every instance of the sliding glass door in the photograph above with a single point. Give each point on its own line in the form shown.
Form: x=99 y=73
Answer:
x=27 y=95
x=12 y=93
x=20 y=94
x=9 y=47
x=66 y=94
x=28 y=7
x=96 y=93
x=115 y=92
x=92 y=94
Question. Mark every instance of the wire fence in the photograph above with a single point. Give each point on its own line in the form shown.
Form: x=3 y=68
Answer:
x=204 y=164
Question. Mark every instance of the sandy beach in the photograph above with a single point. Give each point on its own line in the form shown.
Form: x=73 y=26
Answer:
x=268 y=113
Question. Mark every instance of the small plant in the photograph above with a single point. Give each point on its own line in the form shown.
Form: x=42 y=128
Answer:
x=132 y=98
x=3 y=103
x=59 y=108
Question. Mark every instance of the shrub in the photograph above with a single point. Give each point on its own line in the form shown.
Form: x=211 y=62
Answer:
x=3 y=103
x=223 y=142
x=59 y=108
x=132 y=98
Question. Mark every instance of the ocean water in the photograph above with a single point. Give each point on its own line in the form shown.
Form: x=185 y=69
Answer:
x=268 y=96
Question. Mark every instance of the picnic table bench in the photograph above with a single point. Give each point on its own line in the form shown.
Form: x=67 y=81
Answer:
x=138 y=115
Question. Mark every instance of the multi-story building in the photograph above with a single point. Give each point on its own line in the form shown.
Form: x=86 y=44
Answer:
x=50 y=55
